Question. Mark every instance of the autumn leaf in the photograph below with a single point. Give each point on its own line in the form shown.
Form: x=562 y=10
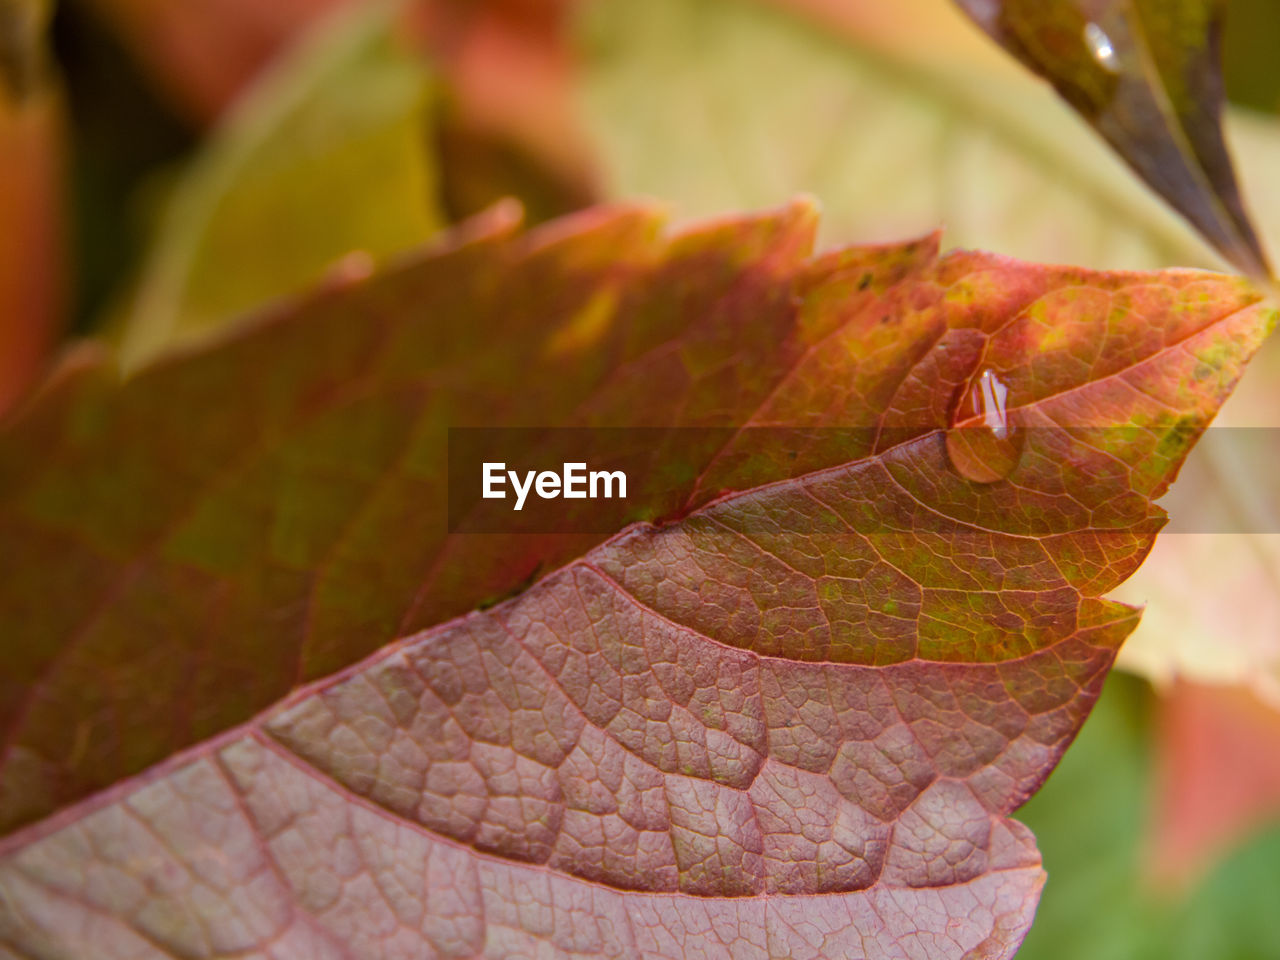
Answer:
x=1148 y=77
x=901 y=116
x=796 y=719
x=1214 y=612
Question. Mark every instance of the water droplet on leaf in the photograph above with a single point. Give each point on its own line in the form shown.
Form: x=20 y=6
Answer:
x=981 y=443
x=1100 y=45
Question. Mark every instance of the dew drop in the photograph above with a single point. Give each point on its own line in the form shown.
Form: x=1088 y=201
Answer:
x=981 y=443
x=1100 y=45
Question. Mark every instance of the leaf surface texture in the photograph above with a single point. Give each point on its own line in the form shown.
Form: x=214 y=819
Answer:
x=791 y=721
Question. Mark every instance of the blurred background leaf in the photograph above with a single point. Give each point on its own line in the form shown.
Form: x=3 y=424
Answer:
x=1218 y=777
x=714 y=105
x=1147 y=77
x=506 y=124
x=32 y=154
x=201 y=54
x=327 y=156
x=1102 y=901
x=23 y=64
x=1252 y=27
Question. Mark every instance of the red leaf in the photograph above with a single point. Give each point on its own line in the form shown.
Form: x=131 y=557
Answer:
x=1219 y=776
x=793 y=723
